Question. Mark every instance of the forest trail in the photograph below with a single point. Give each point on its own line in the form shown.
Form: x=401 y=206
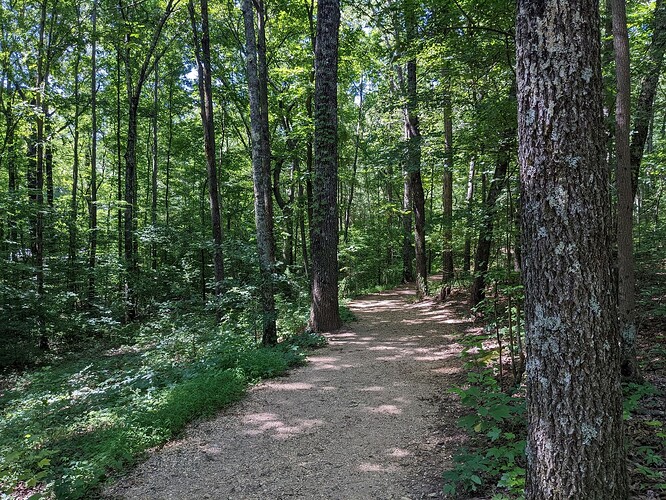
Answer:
x=370 y=417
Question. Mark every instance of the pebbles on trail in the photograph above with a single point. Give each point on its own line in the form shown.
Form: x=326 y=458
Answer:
x=370 y=417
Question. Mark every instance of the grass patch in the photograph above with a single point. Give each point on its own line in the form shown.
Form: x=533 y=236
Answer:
x=65 y=428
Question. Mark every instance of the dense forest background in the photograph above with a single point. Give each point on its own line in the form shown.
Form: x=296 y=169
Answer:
x=107 y=236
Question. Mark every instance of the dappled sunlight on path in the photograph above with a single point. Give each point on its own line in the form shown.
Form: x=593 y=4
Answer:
x=369 y=417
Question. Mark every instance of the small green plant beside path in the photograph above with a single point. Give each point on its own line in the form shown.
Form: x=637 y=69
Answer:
x=65 y=428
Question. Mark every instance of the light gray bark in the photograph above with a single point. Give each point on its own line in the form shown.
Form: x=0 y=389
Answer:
x=575 y=445
x=261 y=171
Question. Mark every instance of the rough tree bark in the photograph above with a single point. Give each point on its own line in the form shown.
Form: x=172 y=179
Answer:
x=575 y=444
x=325 y=314
x=447 y=193
x=261 y=168
x=626 y=298
x=202 y=52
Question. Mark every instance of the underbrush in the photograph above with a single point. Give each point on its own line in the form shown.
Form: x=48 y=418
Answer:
x=66 y=427
x=492 y=465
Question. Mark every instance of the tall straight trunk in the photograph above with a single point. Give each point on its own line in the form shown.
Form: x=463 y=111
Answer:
x=167 y=180
x=36 y=173
x=407 y=242
x=261 y=169
x=134 y=86
x=413 y=136
x=649 y=85
x=469 y=198
x=73 y=236
x=447 y=193
x=92 y=256
x=325 y=314
x=352 y=185
x=130 y=215
x=286 y=206
x=575 y=446
x=119 y=158
x=625 y=248
x=154 y=153
x=484 y=244
x=202 y=49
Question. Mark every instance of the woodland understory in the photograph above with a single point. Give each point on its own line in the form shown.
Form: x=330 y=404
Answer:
x=189 y=190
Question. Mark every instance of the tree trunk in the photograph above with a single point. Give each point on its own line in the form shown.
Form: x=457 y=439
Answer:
x=134 y=88
x=202 y=52
x=413 y=136
x=469 y=198
x=92 y=257
x=357 y=144
x=575 y=444
x=154 y=170
x=447 y=193
x=626 y=300
x=648 y=92
x=73 y=236
x=407 y=245
x=484 y=244
x=325 y=314
x=130 y=222
x=261 y=171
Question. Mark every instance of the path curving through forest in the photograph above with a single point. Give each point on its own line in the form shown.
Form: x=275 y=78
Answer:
x=369 y=417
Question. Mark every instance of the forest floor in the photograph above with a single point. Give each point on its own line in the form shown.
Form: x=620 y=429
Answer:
x=370 y=416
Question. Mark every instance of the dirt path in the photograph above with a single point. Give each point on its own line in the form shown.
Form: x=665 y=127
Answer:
x=369 y=417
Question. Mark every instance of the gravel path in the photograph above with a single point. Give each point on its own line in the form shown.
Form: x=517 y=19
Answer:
x=369 y=417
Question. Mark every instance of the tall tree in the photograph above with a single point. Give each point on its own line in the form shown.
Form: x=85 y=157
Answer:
x=257 y=77
x=575 y=443
x=626 y=297
x=325 y=313
x=648 y=91
x=202 y=52
x=413 y=162
x=92 y=256
x=484 y=244
x=134 y=82
x=447 y=190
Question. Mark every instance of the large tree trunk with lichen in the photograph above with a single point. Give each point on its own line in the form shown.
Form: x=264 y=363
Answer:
x=261 y=167
x=325 y=314
x=575 y=444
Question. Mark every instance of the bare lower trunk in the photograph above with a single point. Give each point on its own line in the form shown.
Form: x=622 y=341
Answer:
x=625 y=200
x=467 y=254
x=255 y=44
x=447 y=195
x=202 y=45
x=407 y=245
